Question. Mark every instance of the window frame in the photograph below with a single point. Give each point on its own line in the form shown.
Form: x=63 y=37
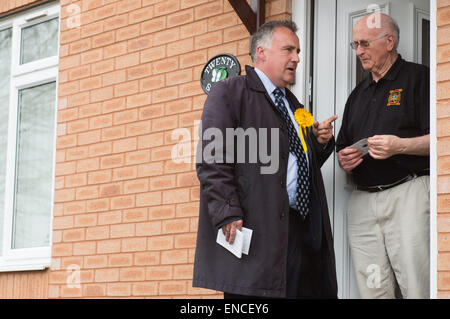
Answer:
x=25 y=76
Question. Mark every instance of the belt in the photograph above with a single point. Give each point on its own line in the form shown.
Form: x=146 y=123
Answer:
x=379 y=188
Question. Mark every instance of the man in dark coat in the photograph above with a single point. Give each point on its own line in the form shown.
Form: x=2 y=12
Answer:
x=291 y=252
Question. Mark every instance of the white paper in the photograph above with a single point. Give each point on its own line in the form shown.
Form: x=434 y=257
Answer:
x=236 y=248
x=247 y=239
x=362 y=146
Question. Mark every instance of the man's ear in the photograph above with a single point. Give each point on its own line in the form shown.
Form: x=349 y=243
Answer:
x=391 y=43
x=260 y=54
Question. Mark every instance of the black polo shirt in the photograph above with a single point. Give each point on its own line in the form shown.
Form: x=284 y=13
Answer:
x=398 y=104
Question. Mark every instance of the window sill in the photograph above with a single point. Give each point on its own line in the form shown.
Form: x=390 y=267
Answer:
x=26 y=259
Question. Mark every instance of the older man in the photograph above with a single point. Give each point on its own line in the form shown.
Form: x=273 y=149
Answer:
x=291 y=252
x=388 y=212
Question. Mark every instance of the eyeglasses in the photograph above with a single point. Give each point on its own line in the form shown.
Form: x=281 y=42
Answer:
x=364 y=43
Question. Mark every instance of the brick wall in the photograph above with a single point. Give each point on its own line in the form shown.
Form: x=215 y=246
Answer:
x=125 y=213
x=443 y=146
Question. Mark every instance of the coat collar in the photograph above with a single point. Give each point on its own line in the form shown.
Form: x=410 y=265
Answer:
x=255 y=83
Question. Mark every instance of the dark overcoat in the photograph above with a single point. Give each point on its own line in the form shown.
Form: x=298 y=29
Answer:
x=237 y=188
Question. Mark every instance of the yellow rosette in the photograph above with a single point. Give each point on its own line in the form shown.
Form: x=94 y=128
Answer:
x=304 y=120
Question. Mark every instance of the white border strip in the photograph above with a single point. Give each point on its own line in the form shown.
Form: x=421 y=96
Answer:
x=433 y=154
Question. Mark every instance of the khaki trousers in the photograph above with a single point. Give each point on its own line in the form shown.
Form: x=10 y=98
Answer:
x=389 y=237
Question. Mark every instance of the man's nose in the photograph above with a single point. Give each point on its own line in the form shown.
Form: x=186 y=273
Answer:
x=296 y=58
x=359 y=50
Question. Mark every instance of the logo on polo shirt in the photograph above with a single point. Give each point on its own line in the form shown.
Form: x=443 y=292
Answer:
x=218 y=68
x=395 y=97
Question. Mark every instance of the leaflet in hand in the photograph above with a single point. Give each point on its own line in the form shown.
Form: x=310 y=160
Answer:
x=241 y=242
x=362 y=146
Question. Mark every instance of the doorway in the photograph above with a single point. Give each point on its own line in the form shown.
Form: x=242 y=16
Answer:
x=335 y=73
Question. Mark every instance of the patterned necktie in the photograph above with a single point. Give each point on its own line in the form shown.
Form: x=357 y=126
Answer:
x=302 y=193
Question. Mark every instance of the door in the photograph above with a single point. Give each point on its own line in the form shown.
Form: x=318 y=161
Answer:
x=336 y=73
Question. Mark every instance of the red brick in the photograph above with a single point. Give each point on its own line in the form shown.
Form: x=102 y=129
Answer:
x=84 y=248
x=132 y=274
x=180 y=17
x=113 y=133
x=113 y=105
x=91 y=56
x=100 y=149
x=153 y=54
x=160 y=242
x=140 y=43
x=193 y=29
x=193 y=58
x=114 y=50
x=176 y=256
x=153 y=25
x=126 y=61
x=109 y=218
x=166 y=7
x=103 y=39
x=443 y=16
x=90 y=110
x=103 y=66
x=136 y=100
x=151 y=169
x=127 y=88
x=147 y=258
x=152 y=82
x=113 y=189
x=138 y=157
x=124 y=173
x=101 y=94
x=159 y=273
x=166 y=36
x=128 y=5
x=145 y=289
x=97 y=233
x=88 y=192
x=140 y=15
x=97 y=205
x=76 y=153
x=116 y=22
x=72 y=235
x=118 y=289
x=166 y=65
x=185 y=240
x=165 y=94
x=99 y=177
x=175 y=226
x=172 y=287
x=134 y=244
x=138 y=72
x=208 y=40
x=120 y=260
x=134 y=215
x=107 y=275
x=148 y=228
x=89 y=30
x=108 y=246
x=89 y=137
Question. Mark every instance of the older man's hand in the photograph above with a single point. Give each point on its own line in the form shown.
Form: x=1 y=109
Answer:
x=349 y=158
x=324 y=131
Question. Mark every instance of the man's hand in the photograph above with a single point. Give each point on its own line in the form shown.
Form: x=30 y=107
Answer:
x=349 y=158
x=229 y=230
x=324 y=131
x=384 y=146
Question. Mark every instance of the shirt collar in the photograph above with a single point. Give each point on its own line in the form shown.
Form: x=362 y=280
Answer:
x=390 y=75
x=268 y=84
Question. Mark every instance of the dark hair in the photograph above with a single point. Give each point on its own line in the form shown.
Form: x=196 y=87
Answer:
x=264 y=34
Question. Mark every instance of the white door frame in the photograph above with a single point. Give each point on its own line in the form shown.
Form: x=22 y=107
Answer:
x=325 y=74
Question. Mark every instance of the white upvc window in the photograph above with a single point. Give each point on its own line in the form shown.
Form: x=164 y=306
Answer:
x=29 y=49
